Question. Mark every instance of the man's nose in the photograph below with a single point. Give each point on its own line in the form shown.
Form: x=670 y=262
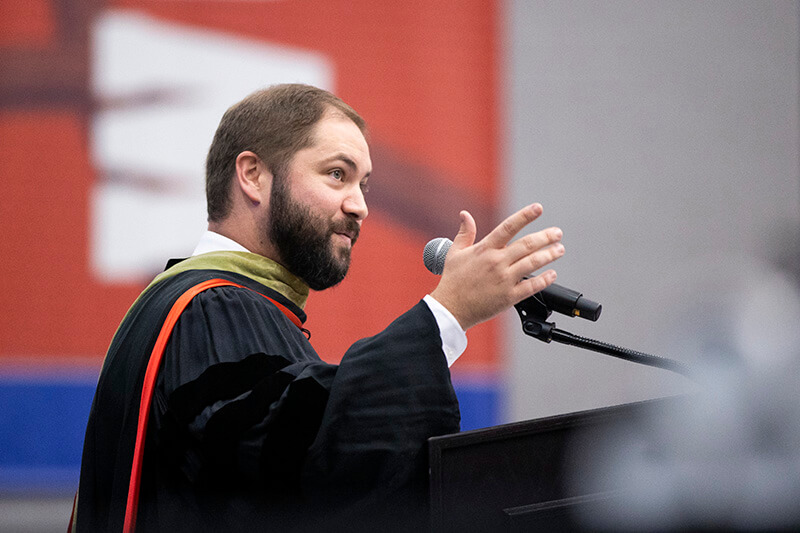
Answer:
x=355 y=204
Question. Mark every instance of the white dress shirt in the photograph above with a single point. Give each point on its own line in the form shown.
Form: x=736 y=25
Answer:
x=454 y=339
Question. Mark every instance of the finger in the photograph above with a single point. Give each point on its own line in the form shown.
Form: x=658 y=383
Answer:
x=503 y=233
x=466 y=231
x=530 y=286
x=533 y=262
x=532 y=243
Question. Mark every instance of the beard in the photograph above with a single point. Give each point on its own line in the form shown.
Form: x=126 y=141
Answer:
x=304 y=239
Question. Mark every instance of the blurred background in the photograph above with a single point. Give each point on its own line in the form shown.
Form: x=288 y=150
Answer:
x=662 y=137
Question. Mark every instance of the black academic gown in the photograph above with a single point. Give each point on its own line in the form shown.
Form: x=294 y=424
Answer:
x=250 y=430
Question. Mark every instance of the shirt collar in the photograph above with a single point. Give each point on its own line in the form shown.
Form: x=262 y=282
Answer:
x=215 y=249
x=214 y=242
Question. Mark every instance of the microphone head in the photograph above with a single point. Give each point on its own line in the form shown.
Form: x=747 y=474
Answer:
x=435 y=253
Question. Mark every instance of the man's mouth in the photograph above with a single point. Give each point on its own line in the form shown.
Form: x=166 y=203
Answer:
x=350 y=232
x=346 y=237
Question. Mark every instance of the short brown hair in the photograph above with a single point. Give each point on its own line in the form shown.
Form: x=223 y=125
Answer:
x=274 y=123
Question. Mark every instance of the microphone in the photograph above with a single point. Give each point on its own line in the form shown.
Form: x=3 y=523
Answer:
x=554 y=298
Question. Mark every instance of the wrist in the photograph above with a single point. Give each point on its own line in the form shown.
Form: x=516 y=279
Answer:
x=444 y=299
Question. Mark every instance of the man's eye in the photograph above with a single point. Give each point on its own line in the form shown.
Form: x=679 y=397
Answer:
x=337 y=174
x=364 y=187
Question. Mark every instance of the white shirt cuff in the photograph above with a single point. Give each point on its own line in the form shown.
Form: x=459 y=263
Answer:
x=454 y=339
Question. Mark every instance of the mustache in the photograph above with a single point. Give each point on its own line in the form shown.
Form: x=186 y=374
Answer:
x=348 y=226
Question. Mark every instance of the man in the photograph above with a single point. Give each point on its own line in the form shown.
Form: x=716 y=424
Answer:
x=248 y=428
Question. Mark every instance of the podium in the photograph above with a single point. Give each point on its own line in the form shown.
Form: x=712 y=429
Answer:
x=525 y=476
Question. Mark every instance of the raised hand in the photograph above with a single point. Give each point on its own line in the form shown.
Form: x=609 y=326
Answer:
x=482 y=279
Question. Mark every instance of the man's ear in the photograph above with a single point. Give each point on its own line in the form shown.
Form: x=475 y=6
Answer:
x=252 y=176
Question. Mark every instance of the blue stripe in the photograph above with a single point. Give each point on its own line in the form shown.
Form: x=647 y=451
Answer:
x=43 y=422
x=480 y=402
x=42 y=425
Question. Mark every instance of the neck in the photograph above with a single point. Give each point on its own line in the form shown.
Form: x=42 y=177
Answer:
x=247 y=237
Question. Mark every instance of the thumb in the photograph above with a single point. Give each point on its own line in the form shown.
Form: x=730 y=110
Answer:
x=466 y=231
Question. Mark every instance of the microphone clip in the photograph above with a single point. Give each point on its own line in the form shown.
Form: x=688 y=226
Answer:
x=535 y=310
x=533 y=313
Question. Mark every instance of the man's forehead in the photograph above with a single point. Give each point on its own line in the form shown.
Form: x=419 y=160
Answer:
x=337 y=137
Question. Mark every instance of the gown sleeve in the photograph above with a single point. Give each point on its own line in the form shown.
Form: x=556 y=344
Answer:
x=390 y=394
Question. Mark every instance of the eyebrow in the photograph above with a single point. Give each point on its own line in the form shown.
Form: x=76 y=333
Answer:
x=346 y=160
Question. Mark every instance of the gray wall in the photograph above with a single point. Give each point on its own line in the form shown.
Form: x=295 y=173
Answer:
x=663 y=138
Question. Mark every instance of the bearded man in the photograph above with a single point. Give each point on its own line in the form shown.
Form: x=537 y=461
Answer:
x=213 y=411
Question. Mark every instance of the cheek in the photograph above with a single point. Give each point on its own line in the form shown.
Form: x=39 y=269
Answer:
x=324 y=203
